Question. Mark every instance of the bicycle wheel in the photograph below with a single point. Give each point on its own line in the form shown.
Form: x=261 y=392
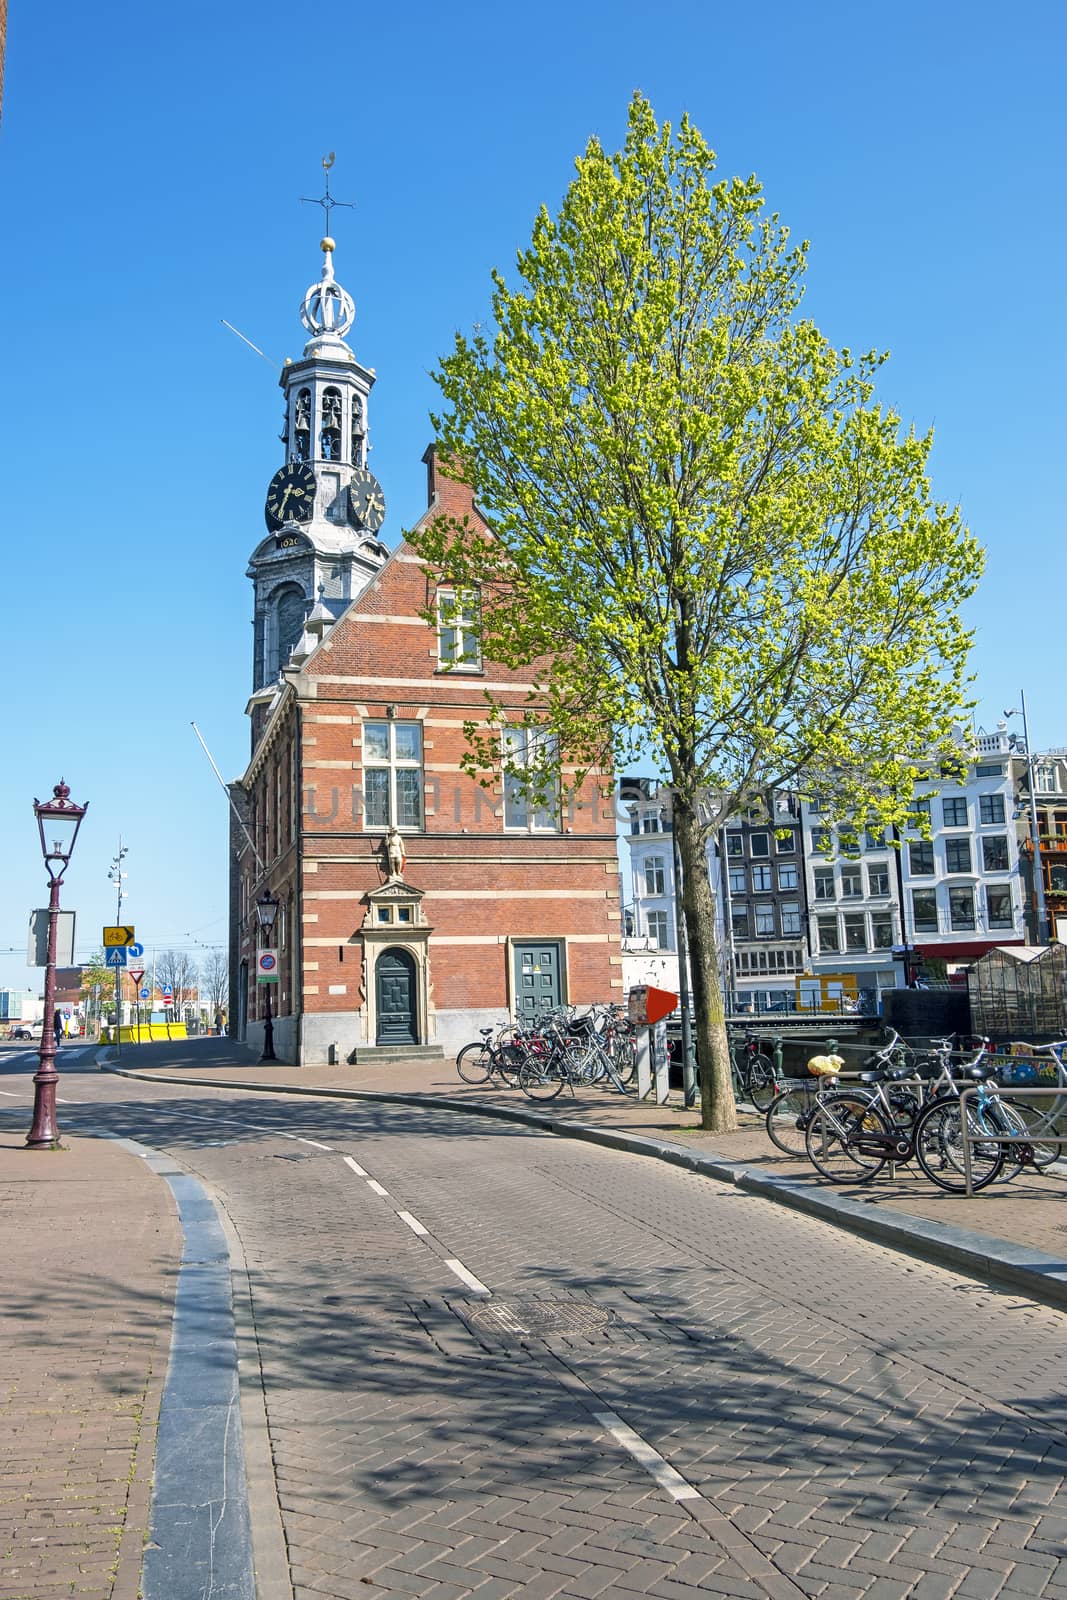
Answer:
x=844 y=1138
x=761 y=1081
x=1035 y=1123
x=474 y=1063
x=787 y=1119
x=624 y=1056
x=540 y=1079
x=939 y=1147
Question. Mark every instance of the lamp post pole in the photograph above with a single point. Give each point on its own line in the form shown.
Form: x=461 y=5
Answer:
x=1042 y=929
x=266 y=911
x=58 y=820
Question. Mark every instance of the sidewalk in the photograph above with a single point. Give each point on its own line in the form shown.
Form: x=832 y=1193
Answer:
x=1015 y=1231
x=90 y=1244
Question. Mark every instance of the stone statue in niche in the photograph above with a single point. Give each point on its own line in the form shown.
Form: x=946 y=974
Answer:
x=394 y=852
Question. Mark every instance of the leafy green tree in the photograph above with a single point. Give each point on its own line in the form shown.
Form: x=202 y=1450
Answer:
x=97 y=986
x=711 y=547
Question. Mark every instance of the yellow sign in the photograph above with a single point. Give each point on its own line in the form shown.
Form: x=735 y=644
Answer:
x=117 y=936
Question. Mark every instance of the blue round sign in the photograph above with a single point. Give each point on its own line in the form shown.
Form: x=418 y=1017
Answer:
x=133 y=951
x=146 y=994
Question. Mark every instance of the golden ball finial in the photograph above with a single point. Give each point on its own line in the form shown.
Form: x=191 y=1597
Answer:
x=327 y=244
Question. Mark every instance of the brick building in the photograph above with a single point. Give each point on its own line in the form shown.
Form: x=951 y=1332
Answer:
x=414 y=904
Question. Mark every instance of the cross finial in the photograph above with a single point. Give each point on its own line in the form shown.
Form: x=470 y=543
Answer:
x=327 y=202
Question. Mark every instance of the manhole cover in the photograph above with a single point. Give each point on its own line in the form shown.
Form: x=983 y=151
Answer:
x=290 y=1155
x=538 y=1317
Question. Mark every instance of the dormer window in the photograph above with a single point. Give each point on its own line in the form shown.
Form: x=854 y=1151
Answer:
x=458 y=649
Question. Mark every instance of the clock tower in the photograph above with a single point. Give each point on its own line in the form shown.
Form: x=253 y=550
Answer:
x=324 y=508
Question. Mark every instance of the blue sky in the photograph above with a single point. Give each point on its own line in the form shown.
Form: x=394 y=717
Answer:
x=151 y=164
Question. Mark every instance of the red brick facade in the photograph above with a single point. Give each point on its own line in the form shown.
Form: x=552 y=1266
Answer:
x=481 y=911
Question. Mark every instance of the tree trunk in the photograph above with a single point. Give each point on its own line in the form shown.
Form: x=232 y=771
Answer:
x=718 y=1112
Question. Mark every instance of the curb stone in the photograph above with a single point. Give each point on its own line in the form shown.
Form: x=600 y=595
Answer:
x=976 y=1255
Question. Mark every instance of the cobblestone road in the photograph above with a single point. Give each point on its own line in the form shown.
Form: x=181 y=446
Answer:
x=735 y=1400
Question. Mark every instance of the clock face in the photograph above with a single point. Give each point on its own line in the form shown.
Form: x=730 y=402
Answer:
x=366 y=503
x=291 y=495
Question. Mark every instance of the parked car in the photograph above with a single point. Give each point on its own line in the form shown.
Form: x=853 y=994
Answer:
x=22 y=1031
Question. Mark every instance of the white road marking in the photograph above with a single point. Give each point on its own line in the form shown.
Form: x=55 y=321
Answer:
x=356 y=1168
x=467 y=1277
x=653 y=1463
x=314 y=1142
x=413 y=1223
x=10 y=1094
x=372 y=1183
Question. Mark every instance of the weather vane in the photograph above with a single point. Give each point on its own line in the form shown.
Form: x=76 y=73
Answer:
x=327 y=202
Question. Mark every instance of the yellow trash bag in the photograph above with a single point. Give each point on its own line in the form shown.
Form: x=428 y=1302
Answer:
x=825 y=1066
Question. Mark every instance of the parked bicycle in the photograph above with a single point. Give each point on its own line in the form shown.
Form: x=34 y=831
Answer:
x=755 y=1076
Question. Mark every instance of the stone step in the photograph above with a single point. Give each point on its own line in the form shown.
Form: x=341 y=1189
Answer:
x=366 y=1054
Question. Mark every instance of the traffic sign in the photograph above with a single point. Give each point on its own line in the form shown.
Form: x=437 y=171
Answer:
x=136 y=973
x=134 y=950
x=168 y=1000
x=168 y=991
x=266 y=966
x=146 y=994
x=117 y=936
x=115 y=957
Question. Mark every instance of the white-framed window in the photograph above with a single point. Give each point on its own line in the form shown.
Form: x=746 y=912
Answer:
x=734 y=844
x=829 y=937
x=924 y=910
x=875 y=838
x=790 y=910
x=822 y=841
x=739 y=922
x=458 y=647
x=759 y=844
x=954 y=811
x=998 y=906
x=531 y=790
x=785 y=841
x=878 y=877
x=651 y=822
x=961 y=908
x=856 y=931
x=851 y=882
x=738 y=883
x=921 y=858
x=991 y=808
x=392 y=775
x=957 y=855
x=824 y=885
x=761 y=880
x=654 y=875
x=656 y=923
x=788 y=875
x=764 y=910
x=881 y=931
x=995 y=852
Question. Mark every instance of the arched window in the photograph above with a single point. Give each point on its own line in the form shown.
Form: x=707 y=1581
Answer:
x=302 y=426
x=330 y=433
x=289 y=622
x=358 y=431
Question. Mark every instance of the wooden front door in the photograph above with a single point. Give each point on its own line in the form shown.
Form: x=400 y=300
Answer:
x=537 y=978
x=394 y=978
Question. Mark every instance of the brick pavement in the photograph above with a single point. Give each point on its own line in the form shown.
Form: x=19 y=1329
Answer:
x=849 y=1422
x=90 y=1244
x=1028 y=1211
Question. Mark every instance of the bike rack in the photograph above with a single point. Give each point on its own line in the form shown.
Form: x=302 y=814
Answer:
x=1001 y=1138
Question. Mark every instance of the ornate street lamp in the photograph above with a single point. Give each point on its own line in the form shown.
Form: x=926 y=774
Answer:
x=58 y=820
x=266 y=911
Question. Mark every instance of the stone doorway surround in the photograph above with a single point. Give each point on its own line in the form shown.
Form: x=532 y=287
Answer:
x=393 y=920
